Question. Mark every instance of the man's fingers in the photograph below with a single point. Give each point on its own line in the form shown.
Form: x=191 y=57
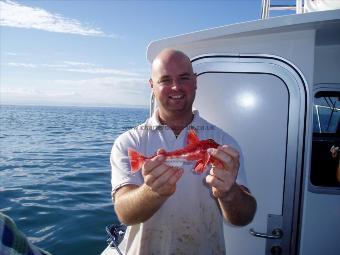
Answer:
x=156 y=172
x=220 y=173
x=175 y=177
x=228 y=156
x=150 y=164
x=169 y=177
x=214 y=182
x=230 y=151
x=223 y=157
x=160 y=151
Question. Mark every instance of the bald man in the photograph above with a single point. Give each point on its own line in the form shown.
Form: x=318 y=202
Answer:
x=172 y=210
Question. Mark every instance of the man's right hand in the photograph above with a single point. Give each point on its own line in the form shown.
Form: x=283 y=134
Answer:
x=159 y=177
x=135 y=204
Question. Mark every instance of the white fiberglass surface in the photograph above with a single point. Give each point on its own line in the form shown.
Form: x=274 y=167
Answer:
x=253 y=108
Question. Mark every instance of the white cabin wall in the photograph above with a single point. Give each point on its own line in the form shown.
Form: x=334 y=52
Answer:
x=311 y=42
x=327 y=55
x=320 y=228
x=297 y=47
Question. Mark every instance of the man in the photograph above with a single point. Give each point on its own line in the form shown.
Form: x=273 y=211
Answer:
x=172 y=210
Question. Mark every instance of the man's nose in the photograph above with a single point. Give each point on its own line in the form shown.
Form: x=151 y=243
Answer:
x=176 y=84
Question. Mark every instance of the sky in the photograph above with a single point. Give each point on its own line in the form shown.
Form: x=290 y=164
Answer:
x=93 y=53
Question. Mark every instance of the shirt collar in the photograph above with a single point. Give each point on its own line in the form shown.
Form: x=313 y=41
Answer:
x=155 y=123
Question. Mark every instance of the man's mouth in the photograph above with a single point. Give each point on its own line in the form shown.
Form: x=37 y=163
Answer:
x=176 y=97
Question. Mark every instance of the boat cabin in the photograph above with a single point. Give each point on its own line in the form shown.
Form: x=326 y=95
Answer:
x=274 y=85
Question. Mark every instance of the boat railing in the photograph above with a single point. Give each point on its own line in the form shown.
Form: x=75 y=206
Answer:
x=299 y=6
x=268 y=6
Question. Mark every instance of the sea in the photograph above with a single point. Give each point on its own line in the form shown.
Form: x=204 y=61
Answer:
x=55 y=173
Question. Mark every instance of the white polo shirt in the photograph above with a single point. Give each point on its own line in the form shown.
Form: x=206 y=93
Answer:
x=189 y=222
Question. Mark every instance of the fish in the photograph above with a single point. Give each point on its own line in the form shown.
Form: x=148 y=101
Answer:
x=196 y=150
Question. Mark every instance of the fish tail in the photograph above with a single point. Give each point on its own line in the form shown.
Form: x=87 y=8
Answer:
x=136 y=160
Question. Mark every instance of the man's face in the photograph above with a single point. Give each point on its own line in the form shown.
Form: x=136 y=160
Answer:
x=173 y=84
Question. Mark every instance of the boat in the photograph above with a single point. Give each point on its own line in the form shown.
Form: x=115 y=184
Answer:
x=274 y=85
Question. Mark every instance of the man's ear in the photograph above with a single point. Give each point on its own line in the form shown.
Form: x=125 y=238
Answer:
x=151 y=83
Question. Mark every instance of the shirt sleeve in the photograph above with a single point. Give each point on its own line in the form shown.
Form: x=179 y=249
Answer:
x=120 y=166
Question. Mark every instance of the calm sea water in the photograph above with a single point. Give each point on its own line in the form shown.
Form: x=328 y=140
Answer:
x=55 y=173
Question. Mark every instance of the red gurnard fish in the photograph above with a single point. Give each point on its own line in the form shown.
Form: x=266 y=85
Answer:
x=195 y=150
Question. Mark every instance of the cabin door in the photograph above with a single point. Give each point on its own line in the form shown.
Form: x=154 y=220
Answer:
x=260 y=101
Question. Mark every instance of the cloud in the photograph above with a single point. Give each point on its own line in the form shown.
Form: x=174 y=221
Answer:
x=100 y=71
x=35 y=92
x=107 y=91
x=74 y=63
x=114 y=83
x=25 y=65
x=89 y=68
x=11 y=53
x=104 y=87
x=21 y=16
x=78 y=67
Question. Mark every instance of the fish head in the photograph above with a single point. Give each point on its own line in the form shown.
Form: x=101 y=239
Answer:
x=210 y=143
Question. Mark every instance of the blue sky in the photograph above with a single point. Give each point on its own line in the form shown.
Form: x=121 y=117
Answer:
x=93 y=53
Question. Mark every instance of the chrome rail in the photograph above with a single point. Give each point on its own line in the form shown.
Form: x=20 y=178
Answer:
x=267 y=7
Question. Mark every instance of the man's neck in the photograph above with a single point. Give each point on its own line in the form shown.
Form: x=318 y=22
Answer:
x=176 y=123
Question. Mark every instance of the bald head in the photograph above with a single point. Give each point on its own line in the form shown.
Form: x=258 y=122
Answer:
x=173 y=85
x=167 y=56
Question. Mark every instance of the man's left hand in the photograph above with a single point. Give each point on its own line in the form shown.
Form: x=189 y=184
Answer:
x=222 y=176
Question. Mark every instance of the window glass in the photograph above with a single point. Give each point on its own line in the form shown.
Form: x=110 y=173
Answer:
x=325 y=168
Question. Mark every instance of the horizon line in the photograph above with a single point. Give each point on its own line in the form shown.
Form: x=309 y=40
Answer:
x=80 y=106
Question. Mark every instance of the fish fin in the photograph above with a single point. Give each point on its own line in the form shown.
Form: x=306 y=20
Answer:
x=192 y=137
x=202 y=163
x=199 y=167
x=136 y=160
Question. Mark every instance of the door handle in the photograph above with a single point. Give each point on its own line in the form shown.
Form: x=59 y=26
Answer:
x=276 y=234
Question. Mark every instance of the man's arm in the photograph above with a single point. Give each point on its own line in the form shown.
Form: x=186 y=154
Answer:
x=136 y=204
x=237 y=204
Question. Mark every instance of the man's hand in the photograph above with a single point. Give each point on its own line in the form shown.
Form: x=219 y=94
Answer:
x=222 y=177
x=135 y=204
x=159 y=177
x=238 y=206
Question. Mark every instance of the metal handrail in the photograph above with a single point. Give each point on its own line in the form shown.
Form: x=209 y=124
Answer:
x=267 y=7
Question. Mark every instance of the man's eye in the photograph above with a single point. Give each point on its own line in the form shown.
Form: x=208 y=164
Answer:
x=185 y=78
x=165 y=81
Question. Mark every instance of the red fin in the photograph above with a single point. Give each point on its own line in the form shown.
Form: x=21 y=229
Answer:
x=192 y=137
x=199 y=167
x=136 y=160
x=202 y=164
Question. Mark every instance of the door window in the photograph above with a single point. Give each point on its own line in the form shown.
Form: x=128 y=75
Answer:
x=325 y=166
